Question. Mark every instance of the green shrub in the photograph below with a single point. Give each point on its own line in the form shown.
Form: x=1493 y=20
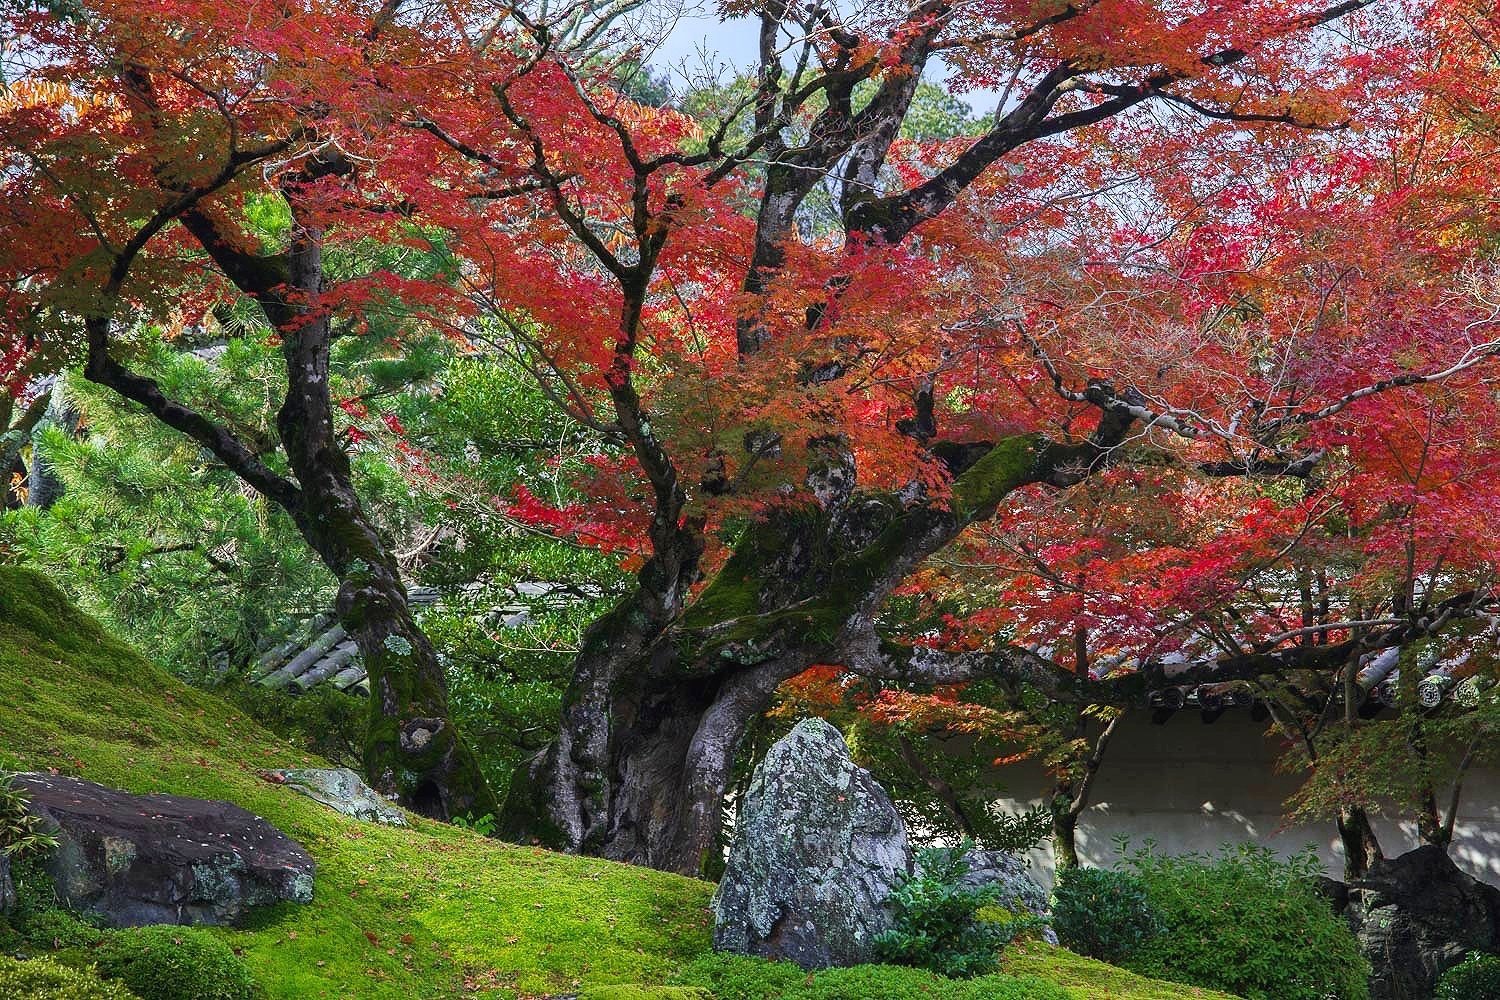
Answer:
x=937 y=923
x=175 y=963
x=1247 y=923
x=22 y=832
x=742 y=977
x=324 y=720
x=35 y=892
x=55 y=930
x=634 y=991
x=1103 y=914
x=46 y=979
x=736 y=977
x=1475 y=978
x=887 y=982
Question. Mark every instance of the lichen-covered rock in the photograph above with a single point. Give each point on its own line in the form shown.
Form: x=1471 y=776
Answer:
x=7 y=887
x=818 y=849
x=163 y=859
x=1416 y=916
x=342 y=790
x=1019 y=892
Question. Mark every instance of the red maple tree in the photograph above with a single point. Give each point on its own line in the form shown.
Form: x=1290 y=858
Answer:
x=1188 y=257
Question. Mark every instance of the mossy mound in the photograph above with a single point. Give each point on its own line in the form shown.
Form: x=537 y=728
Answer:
x=432 y=911
x=1087 y=979
x=44 y=979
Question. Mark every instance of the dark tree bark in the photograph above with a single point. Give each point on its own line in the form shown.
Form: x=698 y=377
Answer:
x=412 y=751
x=1064 y=834
x=1361 y=846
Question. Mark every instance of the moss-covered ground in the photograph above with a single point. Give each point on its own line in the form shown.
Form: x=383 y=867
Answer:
x=1087 y=979
x=427 y=912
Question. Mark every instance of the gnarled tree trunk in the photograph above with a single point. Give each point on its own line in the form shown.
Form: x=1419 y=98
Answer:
x=412 y=751
x=1361 y=847
x=656 y=712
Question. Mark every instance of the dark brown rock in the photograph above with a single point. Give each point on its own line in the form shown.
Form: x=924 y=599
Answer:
x=1417 y=916
x=164 y=859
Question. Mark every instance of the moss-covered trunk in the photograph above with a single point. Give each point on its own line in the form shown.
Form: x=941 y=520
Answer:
x=412 y=750
x=659 y=703
x=1064 y=837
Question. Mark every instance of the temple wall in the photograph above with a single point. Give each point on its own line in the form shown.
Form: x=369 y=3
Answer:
x=1195 y=787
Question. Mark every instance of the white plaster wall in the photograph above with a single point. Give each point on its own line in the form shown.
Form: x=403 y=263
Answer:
x=1196 y=787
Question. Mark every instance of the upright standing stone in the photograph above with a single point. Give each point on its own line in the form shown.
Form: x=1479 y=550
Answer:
x=818 y=850
x=1018 y=891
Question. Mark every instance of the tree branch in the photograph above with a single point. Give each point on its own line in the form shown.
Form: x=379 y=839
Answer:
x=106 y=371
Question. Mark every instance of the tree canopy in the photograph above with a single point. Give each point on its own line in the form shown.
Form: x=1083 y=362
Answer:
x=1173 y=369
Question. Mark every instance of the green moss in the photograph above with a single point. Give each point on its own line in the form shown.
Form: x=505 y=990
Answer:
x=735 y=591
x=175 y=963
x=396 y=914
x=46 y=979
x=433 y=911
x=1004 y=468
x=1087 y=979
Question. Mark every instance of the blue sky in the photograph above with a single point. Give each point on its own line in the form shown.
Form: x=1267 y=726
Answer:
x=732 y=45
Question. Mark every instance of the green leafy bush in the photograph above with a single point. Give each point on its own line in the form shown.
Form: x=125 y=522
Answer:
x=46 y=979
x=884 y=982
x=736 y=977
x=22 y=832
x=1248 y=923
x=175 y=963
x=742 y=977
x=1103 y=914
x=938 y=926
x=482 y=825
x=324 y=720
x=35 y=892
x=1475 y=978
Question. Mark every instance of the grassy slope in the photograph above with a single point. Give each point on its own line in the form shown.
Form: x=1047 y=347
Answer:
x=1087 y=979
x=430 y=912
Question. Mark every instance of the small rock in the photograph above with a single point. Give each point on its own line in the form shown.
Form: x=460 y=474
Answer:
x=818 y=849
x=163 y=859
x=342 y=790
x=1019 y=892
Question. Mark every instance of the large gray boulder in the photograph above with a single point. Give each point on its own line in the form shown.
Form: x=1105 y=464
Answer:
x=1416 y=916
x=818 y=849
x=163 y=859
x=341 y=790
